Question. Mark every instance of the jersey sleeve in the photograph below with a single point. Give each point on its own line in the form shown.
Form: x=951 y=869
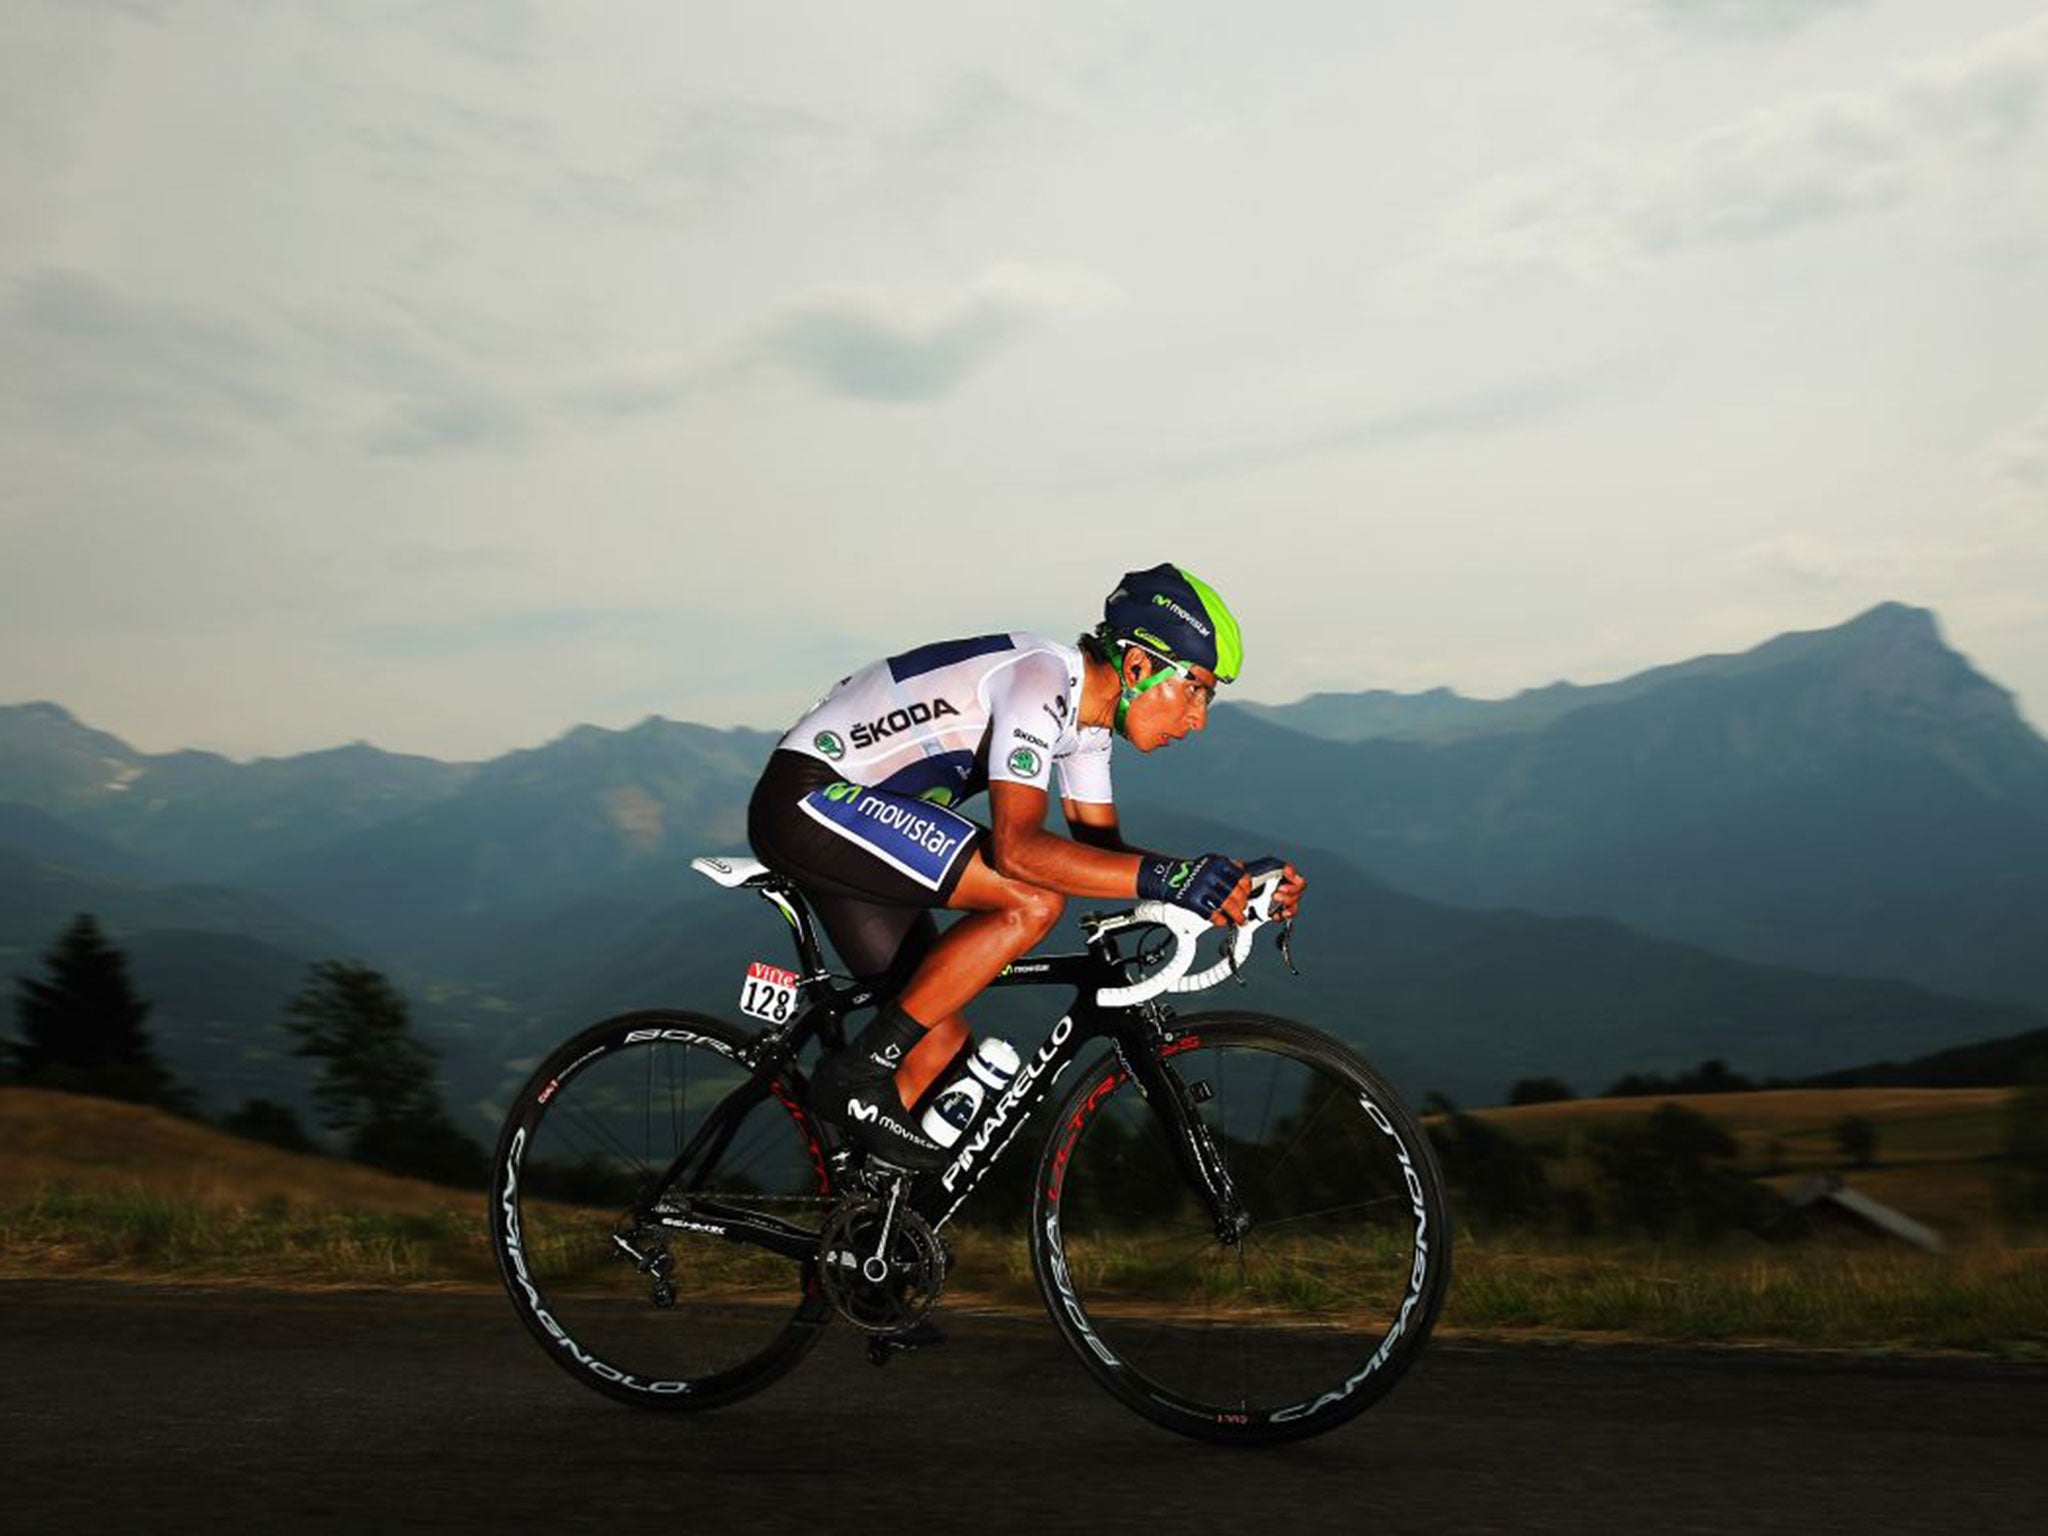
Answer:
x=1084 y=772
x=1030 y=708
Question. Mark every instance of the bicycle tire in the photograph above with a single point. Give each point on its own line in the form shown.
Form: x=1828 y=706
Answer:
x=590 y=1133
x=1286 y=1333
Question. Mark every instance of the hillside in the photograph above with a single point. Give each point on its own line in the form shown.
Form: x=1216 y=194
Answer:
x=1854 y=800
x=1896 y=647
x=595 y=814
x=197 y=814
x=1935 y=1155
x=1827 y=850
x=104 y=1145
x=91 y=1187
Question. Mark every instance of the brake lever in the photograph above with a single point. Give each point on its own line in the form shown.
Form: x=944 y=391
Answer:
x=1283 y=940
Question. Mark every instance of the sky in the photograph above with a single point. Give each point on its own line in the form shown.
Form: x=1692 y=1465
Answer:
x=447 y=374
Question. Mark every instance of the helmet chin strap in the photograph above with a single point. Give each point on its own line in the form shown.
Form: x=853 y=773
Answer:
x=1129 y=692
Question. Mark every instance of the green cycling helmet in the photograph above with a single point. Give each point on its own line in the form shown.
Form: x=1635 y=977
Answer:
x=1176 y=616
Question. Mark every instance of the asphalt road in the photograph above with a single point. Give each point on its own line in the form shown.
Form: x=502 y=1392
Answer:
x=136 y=1409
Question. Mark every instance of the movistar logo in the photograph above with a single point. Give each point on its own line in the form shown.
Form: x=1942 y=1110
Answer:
x=1182 y=873
x=1161 y=600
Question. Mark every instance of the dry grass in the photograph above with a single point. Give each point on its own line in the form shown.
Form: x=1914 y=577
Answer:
x=92 y=1144
x=1778 y=1111
x=97 y=1187
x=1990 y=1298
x=131 y=1234
x=92 y=1187
x=1936 y=1147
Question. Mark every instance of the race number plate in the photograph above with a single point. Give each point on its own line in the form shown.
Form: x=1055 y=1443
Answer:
x=769 y=993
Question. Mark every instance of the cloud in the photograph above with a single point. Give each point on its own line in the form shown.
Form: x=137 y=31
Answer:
x=84 y=355
x=728 y=144
x=1802 y=162
x=491 y=31
x=859 y=344
x=2016 y=465
x=505 y=632
x=1800 y=562
x=1482 y=413
x=1985 y=552
x=87 y=357
x=1746 y=20
x=448 y=423
x=436 y=560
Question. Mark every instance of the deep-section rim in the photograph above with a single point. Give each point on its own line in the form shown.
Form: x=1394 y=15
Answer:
x=1328 y=1407
x=811 y=1311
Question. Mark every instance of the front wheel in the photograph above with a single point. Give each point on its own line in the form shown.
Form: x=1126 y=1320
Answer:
x=625 y=1266
x=1291 y=1325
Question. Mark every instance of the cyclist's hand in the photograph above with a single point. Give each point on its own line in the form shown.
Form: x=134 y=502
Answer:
x=1287 y=897
x=1232 y=911
x=1211 y=886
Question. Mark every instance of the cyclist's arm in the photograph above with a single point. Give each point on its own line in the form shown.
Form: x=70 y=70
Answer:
x=1095 y=824
x=1020 y=847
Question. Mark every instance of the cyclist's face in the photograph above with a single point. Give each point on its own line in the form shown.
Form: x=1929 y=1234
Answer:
x=1170 y=710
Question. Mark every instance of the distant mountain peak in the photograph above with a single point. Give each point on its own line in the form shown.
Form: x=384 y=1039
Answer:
x=1894 y=612
x=1889 y=656
x=48 y=711
x=1890 y=623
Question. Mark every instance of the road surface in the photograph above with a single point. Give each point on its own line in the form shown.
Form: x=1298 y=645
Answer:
x=144 y=1409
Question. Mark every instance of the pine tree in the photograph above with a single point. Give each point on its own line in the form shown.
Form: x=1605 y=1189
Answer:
x=82 y=1029
x=377 y=1087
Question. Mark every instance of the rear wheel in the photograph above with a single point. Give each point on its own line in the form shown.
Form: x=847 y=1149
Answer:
x=1309 y=1314
x=630 y=1283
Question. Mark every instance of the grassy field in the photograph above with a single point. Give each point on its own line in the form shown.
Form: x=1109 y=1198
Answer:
x=1935 y=1158
x=95 y=1188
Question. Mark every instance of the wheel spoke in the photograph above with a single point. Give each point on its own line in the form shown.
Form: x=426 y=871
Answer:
x=1330 y=1210
x=674 y=1305
x=1202 y=1334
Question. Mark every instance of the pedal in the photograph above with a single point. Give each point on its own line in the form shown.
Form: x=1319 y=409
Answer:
x=884 y=1347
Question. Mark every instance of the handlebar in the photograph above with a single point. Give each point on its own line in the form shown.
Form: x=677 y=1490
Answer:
x=1187 y=929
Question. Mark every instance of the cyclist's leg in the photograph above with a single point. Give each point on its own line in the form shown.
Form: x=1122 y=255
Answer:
x=886 y=944
x=1005 y=918
x=940 y=973
x=873 y=849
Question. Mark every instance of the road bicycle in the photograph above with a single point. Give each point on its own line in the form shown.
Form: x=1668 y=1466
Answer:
x=1235 y=1224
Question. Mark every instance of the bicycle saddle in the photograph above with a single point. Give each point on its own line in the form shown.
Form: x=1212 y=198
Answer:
x=732 y=871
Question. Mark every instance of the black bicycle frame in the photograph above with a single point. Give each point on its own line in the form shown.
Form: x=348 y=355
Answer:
x=1142 y=1037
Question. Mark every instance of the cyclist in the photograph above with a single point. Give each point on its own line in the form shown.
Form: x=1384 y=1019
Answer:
x=857 y=806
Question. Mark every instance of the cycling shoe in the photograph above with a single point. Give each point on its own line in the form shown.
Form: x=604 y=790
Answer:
x=858 y=1097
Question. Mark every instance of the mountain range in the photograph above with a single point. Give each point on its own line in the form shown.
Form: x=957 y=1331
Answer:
x=1825 y=850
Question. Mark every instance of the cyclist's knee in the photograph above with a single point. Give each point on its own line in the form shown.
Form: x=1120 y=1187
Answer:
x=1037 y=910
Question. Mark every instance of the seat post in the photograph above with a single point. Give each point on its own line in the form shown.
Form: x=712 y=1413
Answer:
x=789 y=901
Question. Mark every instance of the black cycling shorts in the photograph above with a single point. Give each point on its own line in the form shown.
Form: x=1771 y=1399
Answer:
x=871 y=861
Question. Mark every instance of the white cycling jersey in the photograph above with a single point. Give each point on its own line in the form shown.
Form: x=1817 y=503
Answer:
x=941 y=721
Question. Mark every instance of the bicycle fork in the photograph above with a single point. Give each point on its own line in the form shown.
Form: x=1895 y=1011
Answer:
x=1176 y=1101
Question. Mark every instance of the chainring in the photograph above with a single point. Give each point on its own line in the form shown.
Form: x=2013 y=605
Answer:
x=890 y=1295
